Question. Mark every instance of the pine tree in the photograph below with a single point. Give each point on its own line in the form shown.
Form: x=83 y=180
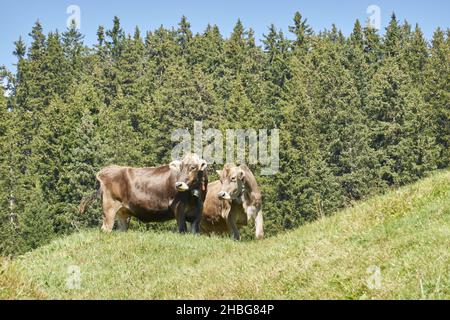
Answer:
x=393 y=38
x=372 y=47
x=302 y=32
x=84 y=157
x=357 y=63
x=55 y=70
x=395 y=107
x=184 y=97
x=342 y=125
x=8 y=243
x=72 y=42
x=116 y=37
x=437 y=94
x=100 y=46
x=357 y=114
x=208 y=51
x=184 y=35
x=235 y=49
x=36 y=227
x=37 y=47
x=299 y=156
x=276 y=73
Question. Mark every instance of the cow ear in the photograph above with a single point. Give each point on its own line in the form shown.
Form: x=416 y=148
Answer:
x=241 y=174
x=203 y=165
x=176 y=164
x=219 y=172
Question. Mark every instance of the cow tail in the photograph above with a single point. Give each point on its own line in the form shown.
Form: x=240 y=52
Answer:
x=86 y=202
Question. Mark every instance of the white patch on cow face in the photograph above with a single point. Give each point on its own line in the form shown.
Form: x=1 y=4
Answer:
x=181 y=186
x=223 y=195
x=203 y=165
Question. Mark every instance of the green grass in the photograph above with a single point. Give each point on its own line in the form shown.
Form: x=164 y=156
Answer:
x=405 y=233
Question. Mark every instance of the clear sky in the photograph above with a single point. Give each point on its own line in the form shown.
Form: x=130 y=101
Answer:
x=18 y=16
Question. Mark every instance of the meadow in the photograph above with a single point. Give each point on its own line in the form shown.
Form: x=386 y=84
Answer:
x=392 y=246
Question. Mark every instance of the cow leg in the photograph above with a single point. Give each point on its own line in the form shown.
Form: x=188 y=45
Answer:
x=123 y=219
x=195 y=226
x=180 y=216
x=232 y=227
x=259 y=231
x=110 y=208
x=251 y=213
x=182 y=226
x=108 y=219
x=255 y=213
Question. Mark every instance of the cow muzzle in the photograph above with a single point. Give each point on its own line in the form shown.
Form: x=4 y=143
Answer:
x=224 y=195
x=181 y=186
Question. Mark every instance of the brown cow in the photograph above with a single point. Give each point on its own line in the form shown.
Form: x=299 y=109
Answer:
x=231 y=202
x=153 y=194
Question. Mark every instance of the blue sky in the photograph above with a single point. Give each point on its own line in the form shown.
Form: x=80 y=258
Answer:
x=18 y=16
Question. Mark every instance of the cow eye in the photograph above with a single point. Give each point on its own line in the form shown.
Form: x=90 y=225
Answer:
x=192 y=168
x=233 y=179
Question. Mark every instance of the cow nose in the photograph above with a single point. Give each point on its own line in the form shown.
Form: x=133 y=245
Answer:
x=181 y=186
x=221 y=194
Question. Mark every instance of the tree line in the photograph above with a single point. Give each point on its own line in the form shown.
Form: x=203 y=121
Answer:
x=357 y=114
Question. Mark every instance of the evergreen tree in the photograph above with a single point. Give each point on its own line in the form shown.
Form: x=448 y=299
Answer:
x=357 y=114
x=276 y=73
x=9 y=244
x=416 y=56
x=296 y=192
x=36 y=227
x=343 y=130
x=394 y=107
x=393 y=38
x=302 y=31
x=184 y=35
x=37 y=47
x=372 y=47
x=72 y=41
x=357 y=63
x=116 y=39
x=437 y=93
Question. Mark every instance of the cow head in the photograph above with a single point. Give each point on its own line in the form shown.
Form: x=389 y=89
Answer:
x=232 y=178
x=189 y=172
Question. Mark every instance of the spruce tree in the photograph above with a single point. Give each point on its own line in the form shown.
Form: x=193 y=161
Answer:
x=276 y=73
x=302 y=32
x=72 y=42
x=356 y=113
x=184 y=35
x=393 y=38
x=398 y=119
x=437 y=94
x=343 y=130
x=8 y=223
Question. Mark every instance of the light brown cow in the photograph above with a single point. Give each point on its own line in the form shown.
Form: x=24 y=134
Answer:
x=232 y=202
x=153 y=194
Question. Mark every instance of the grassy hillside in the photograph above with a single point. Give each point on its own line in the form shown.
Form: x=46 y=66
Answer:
x=405 y=233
